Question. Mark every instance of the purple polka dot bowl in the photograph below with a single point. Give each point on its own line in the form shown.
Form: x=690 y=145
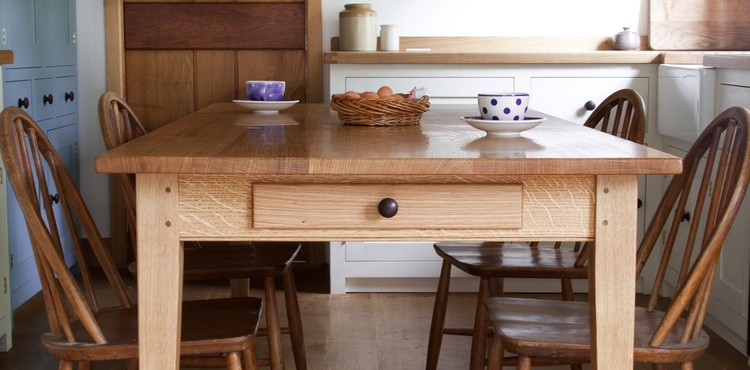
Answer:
x=504 y=106
x=265 y=90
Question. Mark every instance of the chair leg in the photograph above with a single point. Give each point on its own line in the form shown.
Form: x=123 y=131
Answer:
x=686 y=366
x=438 y=317
x=85 y=365
x=567 y=289
x=497 y=352
x=481 y=322
x=239 y=288
x=233 y=361
x=294 y=319
x=272 y=324
x=248 y=359
x=524 y=363
x=132 y=364
x=65 y=365
x=497 y=287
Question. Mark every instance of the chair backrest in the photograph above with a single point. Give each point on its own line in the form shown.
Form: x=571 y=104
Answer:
x=621 y=114
x=715 y=176
x=34 y=171
x=119 y=125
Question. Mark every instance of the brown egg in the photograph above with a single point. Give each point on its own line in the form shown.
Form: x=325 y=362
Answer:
x=369 y=95
x=385 y=91
x=351 y=95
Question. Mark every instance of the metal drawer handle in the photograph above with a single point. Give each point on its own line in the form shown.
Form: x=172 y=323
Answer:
x=387 y=207
x=47 y=99
x=23 y=103
x=69 y=96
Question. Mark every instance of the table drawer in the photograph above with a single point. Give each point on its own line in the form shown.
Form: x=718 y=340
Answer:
x=355 y=206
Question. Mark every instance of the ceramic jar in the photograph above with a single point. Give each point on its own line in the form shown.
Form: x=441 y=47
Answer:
x=626 y=40
x=358 y=28
x=389 y=37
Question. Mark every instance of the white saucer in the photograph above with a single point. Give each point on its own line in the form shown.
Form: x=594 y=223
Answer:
x=503 y=128
x=266 y=107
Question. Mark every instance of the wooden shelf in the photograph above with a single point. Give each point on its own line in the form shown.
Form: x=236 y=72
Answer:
x=578 y=57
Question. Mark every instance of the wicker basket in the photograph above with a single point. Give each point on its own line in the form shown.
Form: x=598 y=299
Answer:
x=380 y=112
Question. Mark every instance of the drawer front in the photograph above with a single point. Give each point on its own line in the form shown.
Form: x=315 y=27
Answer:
x=441 y=90
x=430 y=206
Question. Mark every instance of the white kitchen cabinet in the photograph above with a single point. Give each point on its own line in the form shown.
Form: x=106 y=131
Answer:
x=727 y=313
x=43 y=81
x=559 y=90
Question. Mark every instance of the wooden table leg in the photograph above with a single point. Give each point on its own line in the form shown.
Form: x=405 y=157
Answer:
x=159 y=272
x=612 y=281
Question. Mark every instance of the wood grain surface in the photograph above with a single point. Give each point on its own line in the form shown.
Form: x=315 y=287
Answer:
x=699 y=25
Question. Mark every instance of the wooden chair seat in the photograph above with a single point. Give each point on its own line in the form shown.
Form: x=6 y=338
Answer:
x=711 y=188
x=622 y=114
x=554 y=329
x=208 y=326
x=513 y=260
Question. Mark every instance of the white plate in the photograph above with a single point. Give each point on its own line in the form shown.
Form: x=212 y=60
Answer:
x=503 y=128
x=266 y=107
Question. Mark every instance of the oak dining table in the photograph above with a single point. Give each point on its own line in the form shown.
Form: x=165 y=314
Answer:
x=226 y=173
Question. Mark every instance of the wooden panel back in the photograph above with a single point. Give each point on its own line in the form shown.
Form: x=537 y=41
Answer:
x=196 y=60
x=214 y=25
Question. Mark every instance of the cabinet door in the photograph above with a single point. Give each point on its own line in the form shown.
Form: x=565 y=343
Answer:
x=56 y=26
x=19 y=20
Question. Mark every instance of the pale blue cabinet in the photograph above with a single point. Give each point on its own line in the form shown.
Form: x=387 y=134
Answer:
x=43 y=81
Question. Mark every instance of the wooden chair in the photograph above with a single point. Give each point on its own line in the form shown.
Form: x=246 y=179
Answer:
x=80 y=330
x=621 y=114
x=216 y=260
x=715 y=177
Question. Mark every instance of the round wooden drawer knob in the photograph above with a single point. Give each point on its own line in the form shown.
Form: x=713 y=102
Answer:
x=388 y=207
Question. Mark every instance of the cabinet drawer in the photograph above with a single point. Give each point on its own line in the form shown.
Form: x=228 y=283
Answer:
x=565 y=97
x=442 y=90
x=422 y=206
x=18 y=94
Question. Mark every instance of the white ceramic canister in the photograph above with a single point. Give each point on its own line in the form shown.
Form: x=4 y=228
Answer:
x=358 y=28
x=389 y=37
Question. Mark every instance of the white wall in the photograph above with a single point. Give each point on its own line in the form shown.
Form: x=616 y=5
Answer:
x=552 y=18
x=91 y=85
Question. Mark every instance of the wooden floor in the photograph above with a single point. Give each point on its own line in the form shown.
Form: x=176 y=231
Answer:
x=360 y=331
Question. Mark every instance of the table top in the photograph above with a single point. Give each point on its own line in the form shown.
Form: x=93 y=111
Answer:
x=309 y=139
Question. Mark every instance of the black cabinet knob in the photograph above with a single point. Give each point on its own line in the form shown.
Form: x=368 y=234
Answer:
x=23 y=103
x=387 y=207
x=640 y=203
x=47 y=99
x=54 y=198
x=686 y=216
x=69 y=96
x=590 y=105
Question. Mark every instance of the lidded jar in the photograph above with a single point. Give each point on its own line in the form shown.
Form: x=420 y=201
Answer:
x=358 y=28
x=626 y=40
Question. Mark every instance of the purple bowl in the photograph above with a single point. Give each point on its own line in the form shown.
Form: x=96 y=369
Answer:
x=265 y=90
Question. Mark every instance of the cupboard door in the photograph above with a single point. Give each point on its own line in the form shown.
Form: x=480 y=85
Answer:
x=19 y=20
x=56 y=27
